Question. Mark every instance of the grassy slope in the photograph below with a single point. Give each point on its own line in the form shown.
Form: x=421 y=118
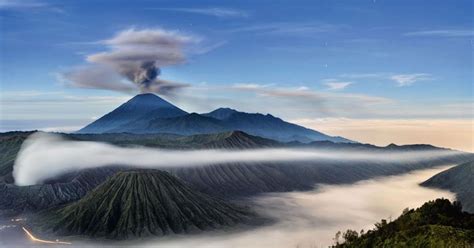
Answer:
x=437 y=223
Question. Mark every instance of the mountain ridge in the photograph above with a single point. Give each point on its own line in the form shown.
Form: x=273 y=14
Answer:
x=160 y=116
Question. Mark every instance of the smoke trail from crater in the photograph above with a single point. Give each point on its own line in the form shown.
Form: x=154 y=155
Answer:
x=45 y=155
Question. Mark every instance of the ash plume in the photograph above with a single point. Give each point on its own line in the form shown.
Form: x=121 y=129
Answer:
x=133 y=56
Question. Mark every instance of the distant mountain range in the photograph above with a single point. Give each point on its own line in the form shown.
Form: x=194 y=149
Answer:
x=148 y=113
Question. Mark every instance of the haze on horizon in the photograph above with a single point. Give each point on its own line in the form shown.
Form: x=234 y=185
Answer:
x=377 y=72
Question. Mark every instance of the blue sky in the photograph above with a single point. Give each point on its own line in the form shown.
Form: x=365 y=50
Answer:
x=305 y=61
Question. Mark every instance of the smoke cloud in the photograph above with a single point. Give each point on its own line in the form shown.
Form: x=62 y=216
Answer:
x=133 y=56
x=44 y=156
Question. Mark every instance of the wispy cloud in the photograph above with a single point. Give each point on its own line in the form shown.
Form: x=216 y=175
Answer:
x=364 y=75
x=289 y=28
x=409 y=79
x=334 y=84
x=28 y=5
x=402 y=79
x=443 y=33
x=292 y=101
x=250 y=86
x=213 y=11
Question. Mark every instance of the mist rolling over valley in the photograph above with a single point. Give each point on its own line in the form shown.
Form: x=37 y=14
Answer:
x=341 y=124
x=311 y=219
x=45 y=156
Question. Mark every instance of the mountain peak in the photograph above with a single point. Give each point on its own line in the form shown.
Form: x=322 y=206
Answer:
x=143 y=105
x=226 y=109
x=148 y=100
x=221 y=113
x=148 y=94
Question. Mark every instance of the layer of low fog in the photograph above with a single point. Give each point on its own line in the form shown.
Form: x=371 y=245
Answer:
x=311 y=219
x=44 y=156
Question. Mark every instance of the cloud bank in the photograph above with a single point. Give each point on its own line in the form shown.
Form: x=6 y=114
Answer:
x=44 y=156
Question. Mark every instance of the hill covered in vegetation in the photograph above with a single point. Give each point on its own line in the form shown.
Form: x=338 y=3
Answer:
x=437 y=223
x=460 y=180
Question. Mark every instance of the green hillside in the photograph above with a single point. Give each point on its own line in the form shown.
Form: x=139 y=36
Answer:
x=438 y=223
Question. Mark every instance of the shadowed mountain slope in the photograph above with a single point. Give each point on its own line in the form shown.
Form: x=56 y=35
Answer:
x=71 y=187
x=140 y=108
x=183 y=125
x=142 y=203
x=224 y=140
x=269 y=126
x=458 y=179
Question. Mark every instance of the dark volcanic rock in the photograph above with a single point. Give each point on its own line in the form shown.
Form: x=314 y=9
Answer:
x=18 y=199
x=142 y=203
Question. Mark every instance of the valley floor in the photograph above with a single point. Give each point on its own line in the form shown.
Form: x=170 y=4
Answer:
x=305 y=219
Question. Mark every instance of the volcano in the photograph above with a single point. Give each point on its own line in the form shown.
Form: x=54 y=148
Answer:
x=139 y=109
x=142 y=203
